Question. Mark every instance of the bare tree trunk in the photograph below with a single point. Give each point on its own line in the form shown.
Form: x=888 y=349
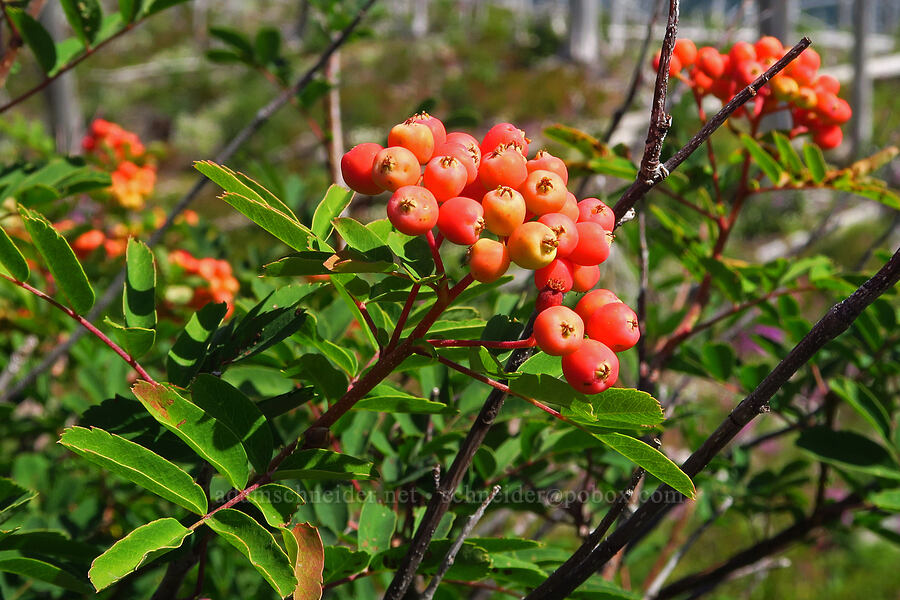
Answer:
x=861 y=124
x=778 y=18
x=584 y=41
x=333 y=117
x=62 y=95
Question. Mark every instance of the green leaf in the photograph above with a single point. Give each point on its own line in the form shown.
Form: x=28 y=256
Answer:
x=206 y=436
x=848 y=450
x=317 y=463
x=66 y=270
x=886 y=500
x=235 y=39
x=815 y=161
x=614 y=166
x=156 y=6
x=139 y=300
x=360 y=238
x=32 y=568
x=187 y=354
x=376 y=527
x=136 y=464
x=332 y=205
x=141 y=546
x=384 y=398
x=258 y=545
x=230 y=407
x=272 y=220
x=129 y=9
x=238 y=183
x=718 y=359
x=266 y=45
x=652 y=460
x=309 y=563
x=11 y=258
x=276 y=502
x=588 y=145
x=341 y=561
x=863 y=402
x=12 y=495
x=786 y=152
x=136 y=341
x=85 y=17
x=762 y=158
x=37 y=38
x=624 y=406
x=307 y=262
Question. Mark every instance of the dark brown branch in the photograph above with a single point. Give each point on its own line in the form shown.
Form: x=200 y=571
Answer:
x=837 y=320
x=707 y=580
x=262 y=116
x=642 y=185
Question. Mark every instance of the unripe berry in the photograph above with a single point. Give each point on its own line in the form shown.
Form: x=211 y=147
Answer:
x=394 y=168
x=556 y=276
x=461 y=220
x=592 y=301
x=356 y=168
x=412 y=210
x=594 y=209
x=532 y=245
x=591 y=369
x=565 y=230
x=505 y=165
x=438 y=132
x=488 y=260
x=445 y=177
x=784 y=88
x=544 y=192
x=415 y=137
x=544 y=161
x=584 y=277
x=686 y=51
x=504 y=210
x=558 y=331
x=503 y=134
x=615 y=325
x=806 y=98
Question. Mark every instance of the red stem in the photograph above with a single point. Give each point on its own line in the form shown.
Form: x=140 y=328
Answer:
x=434 y=245
x=404 y=315
x=506 y=345
x=87 y=325
x=366 y=317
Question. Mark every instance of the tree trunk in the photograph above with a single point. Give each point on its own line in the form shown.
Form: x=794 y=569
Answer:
x=62 y=95
x=584 y=42
x=861 y=124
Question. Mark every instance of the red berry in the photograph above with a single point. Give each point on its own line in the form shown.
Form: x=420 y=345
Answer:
x=488 y=260
x=768 y=47
x=558 y=331
x=674 y=64
x=470 y=144
x=828 y=136
x=584 y=277
x=504 y=210
x=545 y=161
x=810 y=59
x=445 y=176
x=686 y=51
x=412 y=210
x=593 y=244
x=556 y=276
x=544 y=192
x=565 y=230
x=532 y=245
x=87 y=242
x=461 y=220
x=710 y=62
x=594 y=209
x=415 y=137
x=459 y=152
x=394 y=168
x=505 y=165
x=740 y=53
x=832 y=109
x=615 y=325
x=591 y=369
x=747 y=72
x=592 y=301
x=356 y=168
x=827 y=83
x=434 y=124
x=804 y=74
x=504 y=134
x=702 y=82
x=475 y=191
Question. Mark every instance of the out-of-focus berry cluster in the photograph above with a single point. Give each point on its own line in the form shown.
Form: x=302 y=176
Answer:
x=121 y=153
x=218 y=281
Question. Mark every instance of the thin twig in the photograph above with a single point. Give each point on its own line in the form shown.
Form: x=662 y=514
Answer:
x=644 y=283
x=837 y=320
x=261 y=117
x=445 y=565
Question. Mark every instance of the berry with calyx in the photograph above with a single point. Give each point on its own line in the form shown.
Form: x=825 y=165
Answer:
x=556 y=276
x=394 y=168
x=545 y=161
x=591 y=369
x=558 y=331
x=356 y=168
x=593 y=300
x=461 y=220
x=503 y=134
x=614 y=324
x=445 y=177
x=594 y=209
x=415 y=137
x=412 y=210
x=505 y=165
x=504 y=210
x=459 y=152
x=488 y=260
x=593 y=244
x=438 y=131
x=532 y=245
x=544 y=192
x=565 y=230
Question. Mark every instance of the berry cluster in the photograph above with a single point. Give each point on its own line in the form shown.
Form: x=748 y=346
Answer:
x=221 y=283
x=810 y=97
x=507 y=209
x=121 y=151
x=85 y=244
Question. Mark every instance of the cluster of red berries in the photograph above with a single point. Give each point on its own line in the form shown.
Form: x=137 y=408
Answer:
x=85 y=244
x=810 y=97
x=121 y=151
x=507 y=209
x=221 y=283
